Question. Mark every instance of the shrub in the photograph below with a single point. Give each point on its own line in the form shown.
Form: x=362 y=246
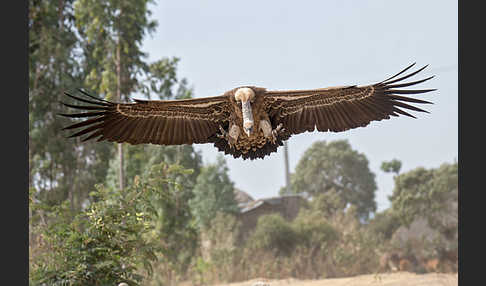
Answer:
x=101 y=246
x=117 y=238
x=273 y=233
x=384 y=224
x=314 y=231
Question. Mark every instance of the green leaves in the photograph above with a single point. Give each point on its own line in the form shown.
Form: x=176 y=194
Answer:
x=273 y=233
x=393 y=166
x=58 y=168
x=113 y=239
x=335 y=166
x=427 y=193
x=97 y=45
x=213 y=193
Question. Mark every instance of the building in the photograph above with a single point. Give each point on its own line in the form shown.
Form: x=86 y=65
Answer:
x=287 y=206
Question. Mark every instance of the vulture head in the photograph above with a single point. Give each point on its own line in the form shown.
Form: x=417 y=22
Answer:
x=246 y=96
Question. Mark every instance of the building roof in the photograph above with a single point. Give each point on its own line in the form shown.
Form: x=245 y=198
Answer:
x=246 y=207
x=242 y=197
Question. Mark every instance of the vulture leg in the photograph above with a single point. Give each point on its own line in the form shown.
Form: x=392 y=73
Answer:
x=276 y=131
x=266 y=127
x=231 y=136
x=268 y=132
x=224 y=134
x=234 y=133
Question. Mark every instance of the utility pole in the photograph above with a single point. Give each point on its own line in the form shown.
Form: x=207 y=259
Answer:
x=287 y=174
x=121 y=174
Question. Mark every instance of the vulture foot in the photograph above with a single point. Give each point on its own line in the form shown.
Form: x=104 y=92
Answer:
x=226 y=136
x=275 y=132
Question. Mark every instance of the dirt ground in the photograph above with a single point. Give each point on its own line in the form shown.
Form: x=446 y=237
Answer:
x=384 y=279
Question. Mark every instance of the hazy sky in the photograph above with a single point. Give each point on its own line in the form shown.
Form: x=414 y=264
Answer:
x=313 y=44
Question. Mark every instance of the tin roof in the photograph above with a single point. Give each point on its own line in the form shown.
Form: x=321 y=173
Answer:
x=246 y=207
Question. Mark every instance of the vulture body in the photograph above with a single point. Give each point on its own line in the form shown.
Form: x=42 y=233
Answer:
x=248 y=122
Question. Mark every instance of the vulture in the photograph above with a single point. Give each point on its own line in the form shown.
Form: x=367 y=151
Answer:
x=248 y=122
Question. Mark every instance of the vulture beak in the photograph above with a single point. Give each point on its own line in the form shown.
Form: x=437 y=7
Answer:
x=248 y=130
x=247 y=117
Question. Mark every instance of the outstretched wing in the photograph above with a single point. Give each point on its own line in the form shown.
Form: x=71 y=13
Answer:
x=170 y=122
x=341 y=108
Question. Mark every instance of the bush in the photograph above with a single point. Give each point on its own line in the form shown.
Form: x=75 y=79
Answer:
x=356 y=253
x=101 y=246
x=217 y=250
x=273 y=233
x=118 y=237
x=384 y=224
x=314 y=231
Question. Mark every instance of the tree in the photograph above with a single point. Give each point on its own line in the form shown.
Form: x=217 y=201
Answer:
x=336 y=166
x=329 y=207
x=143 y=157
x=58 y=168
x=431 y=194
x=213 y=193
x=385 y=224
x=175 y=230
x=163 y=83
x=103 y=245
x=273 y=233
x=114 y=31
x=392 y=166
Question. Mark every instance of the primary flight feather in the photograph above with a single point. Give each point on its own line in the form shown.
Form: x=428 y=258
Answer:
x=248 y=122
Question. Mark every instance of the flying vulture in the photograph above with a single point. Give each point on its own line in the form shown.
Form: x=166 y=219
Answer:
x=248 y=121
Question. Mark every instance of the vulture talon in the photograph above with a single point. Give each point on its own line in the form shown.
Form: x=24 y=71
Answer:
x=276 y=131
x=224 y=134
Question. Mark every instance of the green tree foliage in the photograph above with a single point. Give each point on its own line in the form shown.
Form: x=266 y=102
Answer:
x=327 y=205
x=340 y=242
x=122 y=233
x=218 y=248
x=142 y=157
x=96 y=44
x=114 y=61
x=103 y=245
x=392 y=166
x=161 y=80
x=58 y=168
x=213 y=193
x=384 y=224
x=114 y=31
x=336 y=166
x=273 y=233
x=314 y=231
x=428 y=193
x=175 y=231
x=318 y=243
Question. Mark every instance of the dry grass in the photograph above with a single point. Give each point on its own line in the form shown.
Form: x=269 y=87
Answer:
x=389 y=279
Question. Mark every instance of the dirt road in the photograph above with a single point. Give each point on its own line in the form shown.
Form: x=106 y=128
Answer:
x=391 y=279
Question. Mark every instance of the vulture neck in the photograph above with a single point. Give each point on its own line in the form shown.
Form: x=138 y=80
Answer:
x=247 y=117
x=246 y=95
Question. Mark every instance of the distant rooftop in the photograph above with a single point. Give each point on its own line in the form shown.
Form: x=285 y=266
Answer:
x=242 y=197
x=246 y=207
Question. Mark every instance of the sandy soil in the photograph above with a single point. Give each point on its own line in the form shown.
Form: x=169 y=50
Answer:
x=388 y=279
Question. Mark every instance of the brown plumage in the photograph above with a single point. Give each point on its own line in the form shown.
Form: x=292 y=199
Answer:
x=248 y=122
